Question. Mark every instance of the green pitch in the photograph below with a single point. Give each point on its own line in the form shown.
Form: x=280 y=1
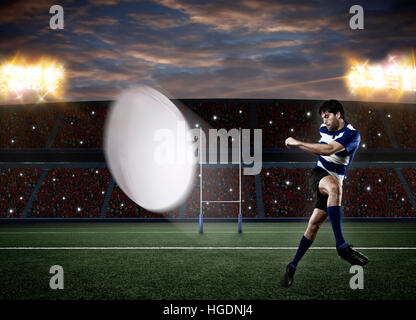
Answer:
x=214 y=270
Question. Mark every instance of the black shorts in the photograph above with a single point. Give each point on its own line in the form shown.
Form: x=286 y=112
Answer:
x=320 y=199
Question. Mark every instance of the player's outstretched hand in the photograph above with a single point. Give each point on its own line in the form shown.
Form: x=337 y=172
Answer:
x=290 y=142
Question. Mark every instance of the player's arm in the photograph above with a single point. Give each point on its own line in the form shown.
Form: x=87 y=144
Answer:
x=315 y=148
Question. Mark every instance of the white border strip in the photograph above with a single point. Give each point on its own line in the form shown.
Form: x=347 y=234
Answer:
x=193 y=232
x=196 y=248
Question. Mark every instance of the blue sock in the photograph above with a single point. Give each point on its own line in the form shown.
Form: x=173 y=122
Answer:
x=304 y=245
x=335 y=215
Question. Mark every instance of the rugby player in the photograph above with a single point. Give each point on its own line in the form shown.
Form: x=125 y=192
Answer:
x=336 y=148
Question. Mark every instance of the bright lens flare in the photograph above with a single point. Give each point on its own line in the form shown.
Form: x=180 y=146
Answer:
x=18 y=78
x=394 y=75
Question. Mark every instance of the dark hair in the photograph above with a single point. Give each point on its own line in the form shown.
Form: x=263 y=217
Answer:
x=332 y=106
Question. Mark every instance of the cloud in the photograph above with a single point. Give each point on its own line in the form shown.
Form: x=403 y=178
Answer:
x=92 y=92
x=199 y=49
x=163 y=53
x=157 y=20
x=100 y=21
x=249 y=16
x=94 y=26
x=20 y=11
x=103 y=2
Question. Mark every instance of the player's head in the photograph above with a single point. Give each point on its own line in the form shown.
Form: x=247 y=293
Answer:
x=331 y=112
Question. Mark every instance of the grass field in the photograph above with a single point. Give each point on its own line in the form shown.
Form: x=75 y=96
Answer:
x=173 y=261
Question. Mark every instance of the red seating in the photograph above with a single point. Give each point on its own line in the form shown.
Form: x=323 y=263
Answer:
x=402 y=123
x=375 y=192
x=26 y=127
x=227 y=115
x=71 y=192
x=82 y=124
x=16 y=186
x=281 y=120
x=367 y=120
x=81 y=128
x=368 y=192
x=121 y=206
x=410 y=176
x=222 y=184
x=286 y=192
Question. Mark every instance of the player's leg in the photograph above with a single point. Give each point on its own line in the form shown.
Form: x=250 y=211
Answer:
x=329 y=186
x=315 y=222
x=318 y=217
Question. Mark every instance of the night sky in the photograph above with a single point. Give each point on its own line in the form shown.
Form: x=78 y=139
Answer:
x=209 y=49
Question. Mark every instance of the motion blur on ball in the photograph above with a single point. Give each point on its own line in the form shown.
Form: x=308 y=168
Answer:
x=135 y=135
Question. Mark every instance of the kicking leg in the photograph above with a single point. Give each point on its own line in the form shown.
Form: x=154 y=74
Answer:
x=329 y=186
x=315 y=222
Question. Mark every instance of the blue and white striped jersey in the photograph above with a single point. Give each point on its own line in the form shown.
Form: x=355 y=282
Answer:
x=338 y=163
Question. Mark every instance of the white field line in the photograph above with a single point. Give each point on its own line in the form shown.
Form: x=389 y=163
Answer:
x=196 y=248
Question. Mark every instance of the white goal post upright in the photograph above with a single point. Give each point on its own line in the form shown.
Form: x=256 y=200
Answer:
x=202 y=201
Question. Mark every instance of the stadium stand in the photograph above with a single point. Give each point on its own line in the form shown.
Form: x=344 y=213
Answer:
x=375 y=192
x=222 y=184
x=281 y=120
x=220 y=115
x=410 y=176
x=16 y=186
x=71 y=192
x=403 y=122
x=286 y=192
x=192 y=208
x=24 y=127
x=80 y=193
x=368 y=122
x=121 y=206
x=81 y=128
x=368 y=192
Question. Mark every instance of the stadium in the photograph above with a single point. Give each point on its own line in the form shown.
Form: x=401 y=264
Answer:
x=61 y=206
x=178 y=157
